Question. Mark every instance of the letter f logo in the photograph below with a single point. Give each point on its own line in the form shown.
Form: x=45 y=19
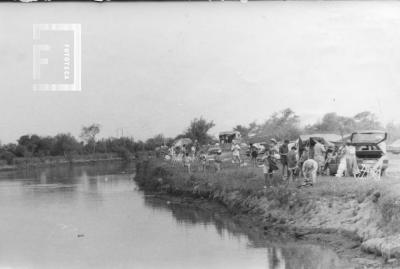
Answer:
x=37 y=61
x=37 y=48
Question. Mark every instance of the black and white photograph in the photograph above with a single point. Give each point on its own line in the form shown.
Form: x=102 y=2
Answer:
x=254 y=134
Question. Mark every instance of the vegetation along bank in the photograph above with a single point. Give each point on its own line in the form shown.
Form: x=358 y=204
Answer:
x=365 y=212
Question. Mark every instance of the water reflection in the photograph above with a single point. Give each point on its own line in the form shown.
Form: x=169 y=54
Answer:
x=94 y=217
x=278 y=254
x=189 y=216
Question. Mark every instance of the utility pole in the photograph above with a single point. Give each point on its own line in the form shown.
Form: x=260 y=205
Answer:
x=120 y=132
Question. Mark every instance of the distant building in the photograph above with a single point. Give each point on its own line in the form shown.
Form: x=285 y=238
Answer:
x=228 y=137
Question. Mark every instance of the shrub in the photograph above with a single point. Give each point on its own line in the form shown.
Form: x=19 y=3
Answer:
x=8 y=157
x=124 y=154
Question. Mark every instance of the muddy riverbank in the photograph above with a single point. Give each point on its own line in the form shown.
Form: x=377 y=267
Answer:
x=358 y=219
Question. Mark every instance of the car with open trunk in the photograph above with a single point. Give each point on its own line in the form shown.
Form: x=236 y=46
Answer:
x=370 y=147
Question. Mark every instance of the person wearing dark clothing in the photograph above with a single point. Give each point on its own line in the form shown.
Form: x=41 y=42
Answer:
x=253 y=154
x=311 y=148
x=329 y=156
x=269 y=167
x=283 y=152
x=270 y=162
x=292 y=163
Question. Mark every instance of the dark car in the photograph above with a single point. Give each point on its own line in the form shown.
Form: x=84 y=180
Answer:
x=261 y=147
x=370 y=147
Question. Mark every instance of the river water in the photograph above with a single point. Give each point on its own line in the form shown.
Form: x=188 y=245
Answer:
x=95 y=217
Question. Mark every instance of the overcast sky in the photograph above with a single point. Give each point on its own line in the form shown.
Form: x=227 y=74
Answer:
x=152 y=67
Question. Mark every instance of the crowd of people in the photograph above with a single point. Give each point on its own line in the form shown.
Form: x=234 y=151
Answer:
x=309 y=161
x=285 y=162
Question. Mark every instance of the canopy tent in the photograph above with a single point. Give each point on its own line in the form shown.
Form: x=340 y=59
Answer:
x=328 y=140
x=258 y=139
x=182 y=141
x=331 y=138
x=230 y=133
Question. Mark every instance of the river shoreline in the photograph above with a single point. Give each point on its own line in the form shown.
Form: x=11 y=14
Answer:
x=346 y=246
x=26 y=163
x=351 y=224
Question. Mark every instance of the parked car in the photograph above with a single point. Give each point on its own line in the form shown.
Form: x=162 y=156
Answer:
x=370 y=146
x=394 y=147
x=211 y=152
x=261 y=148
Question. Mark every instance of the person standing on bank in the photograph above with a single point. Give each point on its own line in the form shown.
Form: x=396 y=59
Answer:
x=253 y=154
x=187 y=160
x=269 y=166
x=283 y=152
x=267 y=181
x=351 y=160
x=292 y=163
x=319 y=156
x=302 y=158
x=270 y=161
x=236 y=153
x=218 y=161
x=203 y=161
x=273 y=148
x=341 y=170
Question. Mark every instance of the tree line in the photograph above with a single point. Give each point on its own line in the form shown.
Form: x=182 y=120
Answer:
x=280 y=125
x=65 y=144
x=286 y=124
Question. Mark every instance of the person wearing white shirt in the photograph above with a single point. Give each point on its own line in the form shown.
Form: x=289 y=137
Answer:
x=236 y=154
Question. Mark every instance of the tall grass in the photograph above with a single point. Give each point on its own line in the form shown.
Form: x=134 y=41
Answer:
x=252 y=179
x=249 y=181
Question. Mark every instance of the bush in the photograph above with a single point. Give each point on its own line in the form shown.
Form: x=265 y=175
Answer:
x=125 y=154
x=8 y=157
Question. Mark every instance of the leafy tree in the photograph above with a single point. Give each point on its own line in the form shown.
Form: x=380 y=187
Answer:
x=7 y=152
x=66 y=145
x=118 y=145
x=22 y=151
x=44 y=146
x=198 y=130
x=7 y=156
x=281 y=125
x=139 y=146
x=156 y=141
x=367 y=120
x=88 y=134
x=332 y=123
x=34 y=145
x=28 y=145
x=245 y=131
x=11 y=147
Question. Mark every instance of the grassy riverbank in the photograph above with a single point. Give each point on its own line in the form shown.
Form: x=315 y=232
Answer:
x=366 y=212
